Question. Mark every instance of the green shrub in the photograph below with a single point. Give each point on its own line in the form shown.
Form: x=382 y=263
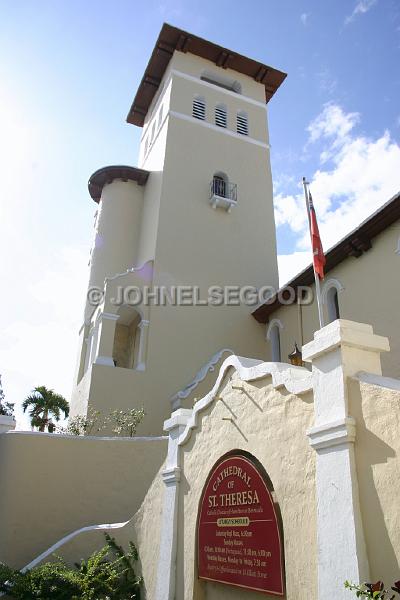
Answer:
x=106 y=575
x=375 y=591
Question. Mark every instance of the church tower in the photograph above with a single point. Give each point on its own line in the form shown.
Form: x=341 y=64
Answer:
x=196 y=216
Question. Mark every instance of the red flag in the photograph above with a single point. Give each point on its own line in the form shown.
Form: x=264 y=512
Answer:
x=316 y=244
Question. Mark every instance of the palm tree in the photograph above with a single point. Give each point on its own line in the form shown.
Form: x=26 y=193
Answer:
x=44 y=404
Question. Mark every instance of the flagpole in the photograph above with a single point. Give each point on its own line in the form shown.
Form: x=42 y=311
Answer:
x=316 y=277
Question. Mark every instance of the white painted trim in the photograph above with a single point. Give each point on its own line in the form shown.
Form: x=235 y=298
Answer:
x=297 y=380
x=273 y=323
x=328 y=284
x=212 y=86
x=69 y=537
x=385 y=382
x=222 y=130
x=104 y=361
x=131 y=270
x=332 y=434
x=201 y=374
x=89 y=438
x=166 y=568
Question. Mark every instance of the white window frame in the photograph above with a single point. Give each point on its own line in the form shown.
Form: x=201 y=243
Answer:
x=328 y=299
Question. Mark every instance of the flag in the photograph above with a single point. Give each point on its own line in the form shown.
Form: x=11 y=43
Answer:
x=316 y=244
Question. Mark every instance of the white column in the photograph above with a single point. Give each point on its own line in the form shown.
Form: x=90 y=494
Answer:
x=338 y=351
x=143 y=328
x=166 y=573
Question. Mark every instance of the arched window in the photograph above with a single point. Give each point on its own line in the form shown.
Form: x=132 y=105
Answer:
x=332 y=302
x=126 y=338
x=222 y=81
x=220 y=185
x=242 y=125
x=274 y=337
x=199 y=108
x=330 y=298
x=221 y=115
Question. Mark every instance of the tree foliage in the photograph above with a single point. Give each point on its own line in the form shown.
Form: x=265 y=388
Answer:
x=105 y=575
x=6 y=408
x=45 y=404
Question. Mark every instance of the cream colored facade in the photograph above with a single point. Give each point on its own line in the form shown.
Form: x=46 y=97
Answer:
x=270 y=411
x=327 y=434
x=368 y=291
x=167 y=233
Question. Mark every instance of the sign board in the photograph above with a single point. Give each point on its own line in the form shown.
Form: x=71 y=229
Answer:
x=238 y=535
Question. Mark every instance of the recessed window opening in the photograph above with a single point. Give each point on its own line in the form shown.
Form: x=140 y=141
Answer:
x=333 y=304
x=199 y=108
x=222 y=81
x=126 y=338
x=220 y=185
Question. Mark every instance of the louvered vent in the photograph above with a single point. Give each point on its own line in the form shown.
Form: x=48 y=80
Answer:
x=242 y=125
x=220 y=116
x=199 y=108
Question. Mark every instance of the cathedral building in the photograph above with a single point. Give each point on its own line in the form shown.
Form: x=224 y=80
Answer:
x=268 y=461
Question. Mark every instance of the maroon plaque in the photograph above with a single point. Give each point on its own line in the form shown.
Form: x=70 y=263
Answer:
x=239 y=541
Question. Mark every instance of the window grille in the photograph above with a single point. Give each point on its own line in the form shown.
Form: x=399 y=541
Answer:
x=220 y=116
x=242 y=125
x=199 y=108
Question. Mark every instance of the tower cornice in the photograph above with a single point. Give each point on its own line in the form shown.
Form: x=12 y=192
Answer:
x=171 y=39
x=107 y=174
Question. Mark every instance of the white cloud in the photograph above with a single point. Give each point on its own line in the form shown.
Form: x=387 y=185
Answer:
x=361 y=8
x=290 y=265
x=363 y=175
x=304 y=18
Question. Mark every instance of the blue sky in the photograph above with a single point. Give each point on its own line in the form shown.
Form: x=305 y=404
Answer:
x=69 y=71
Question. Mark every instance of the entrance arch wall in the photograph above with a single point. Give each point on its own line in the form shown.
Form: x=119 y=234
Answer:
x=271 y=425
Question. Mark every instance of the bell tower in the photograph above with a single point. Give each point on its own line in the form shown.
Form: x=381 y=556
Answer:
x=194 y=219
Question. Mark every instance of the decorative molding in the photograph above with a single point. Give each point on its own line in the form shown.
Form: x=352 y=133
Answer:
x=199 y=377
x=124 y=273
x=296 y=380
x=328 y=284
x=171 y=476
x=222 y=130
x=236 y=95
x=333 y=434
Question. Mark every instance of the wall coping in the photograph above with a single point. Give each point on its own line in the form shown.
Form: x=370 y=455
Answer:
x=161 y=438
x=296 y=380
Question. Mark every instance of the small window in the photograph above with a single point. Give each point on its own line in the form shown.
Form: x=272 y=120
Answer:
x=160 y=116
x=242 y=125
x=220 y=115
x=333 y=304
x=199 y=108
x=274 y=338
